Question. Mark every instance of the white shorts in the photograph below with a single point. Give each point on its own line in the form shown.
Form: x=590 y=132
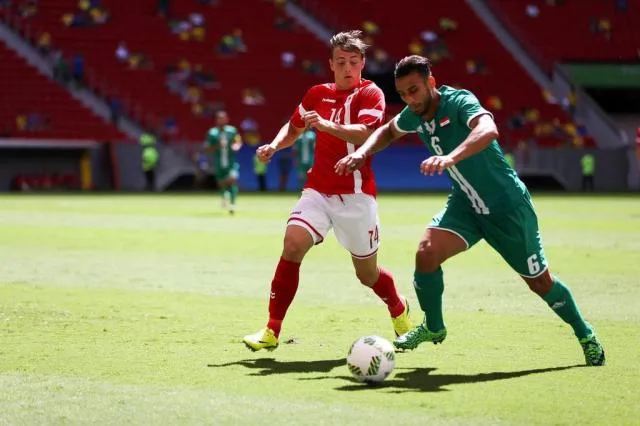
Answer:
x=353 y=217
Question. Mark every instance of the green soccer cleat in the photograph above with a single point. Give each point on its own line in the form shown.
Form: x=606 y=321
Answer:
x=402 y=323
x=263 y=339
x=593 y=351
x=418 y=335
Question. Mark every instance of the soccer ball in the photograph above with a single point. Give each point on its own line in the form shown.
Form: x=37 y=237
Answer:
x=371 y=359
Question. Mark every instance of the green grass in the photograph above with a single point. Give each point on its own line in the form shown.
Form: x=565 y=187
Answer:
x=130 y=310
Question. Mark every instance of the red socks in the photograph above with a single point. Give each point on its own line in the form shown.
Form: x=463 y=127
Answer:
x=283 y=290
x=386 y=290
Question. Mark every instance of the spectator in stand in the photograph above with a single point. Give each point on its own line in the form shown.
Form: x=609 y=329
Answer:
x=494 y=103
x=250 y=129
x=170 y=126
x=238 y=40
x=28 y=8
x=416 y=47
x=570 y=102
x=77 y=69
x=288 y=59
x=428 y=36
x=122 y=52
x=204 y=79
x=44 y=43
x=379 y=63
x=60 y=68
x=448 y=24
x=370 y=28
x=115 y=109
x=532 y=10
x=21 y=122
x=252 y=96
x=548 y=97
x=312 y=67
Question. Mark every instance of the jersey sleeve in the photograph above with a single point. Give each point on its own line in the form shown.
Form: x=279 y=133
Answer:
x=406 y=121
x=211 y=138
x=307 y=104
x=469 y=107
x=372 y=106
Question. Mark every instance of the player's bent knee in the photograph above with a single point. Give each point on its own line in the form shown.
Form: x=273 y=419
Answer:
x=294 y=249
x=367 y=278
x=540 y=285
x=428 y=258
x=297 y=242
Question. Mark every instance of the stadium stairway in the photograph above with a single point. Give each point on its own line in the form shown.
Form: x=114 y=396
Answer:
x=35 y=107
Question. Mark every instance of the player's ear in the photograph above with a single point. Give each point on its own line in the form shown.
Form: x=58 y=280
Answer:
x=431 y=81
x=331 y=65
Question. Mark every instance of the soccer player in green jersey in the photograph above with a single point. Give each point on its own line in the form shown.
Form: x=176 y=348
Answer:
x=488 y=201
x=304 y=147
x=224 y=141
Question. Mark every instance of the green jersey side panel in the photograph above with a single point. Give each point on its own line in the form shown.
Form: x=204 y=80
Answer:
x=485 y=179
x=221 y=140
x=304 y=148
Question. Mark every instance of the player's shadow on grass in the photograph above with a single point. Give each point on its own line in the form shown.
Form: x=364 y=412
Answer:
x=267 y=366
x=421 y=379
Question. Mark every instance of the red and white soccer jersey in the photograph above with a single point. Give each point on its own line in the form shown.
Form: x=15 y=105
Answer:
x=362 y=105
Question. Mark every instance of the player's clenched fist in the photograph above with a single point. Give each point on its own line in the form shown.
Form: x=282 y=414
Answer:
x=314 y=120
x=265 y=152
x=349 y=163
x=436 y=164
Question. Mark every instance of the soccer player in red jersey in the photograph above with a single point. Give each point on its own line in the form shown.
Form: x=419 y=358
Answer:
x=344 y=113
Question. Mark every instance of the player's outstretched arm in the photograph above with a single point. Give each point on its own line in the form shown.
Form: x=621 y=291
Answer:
x=483 y=132
x=286 y=137
x=379 y=140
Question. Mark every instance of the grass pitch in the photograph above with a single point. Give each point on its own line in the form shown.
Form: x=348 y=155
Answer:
x=130 y=310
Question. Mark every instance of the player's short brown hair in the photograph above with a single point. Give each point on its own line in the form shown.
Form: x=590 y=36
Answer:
x=413 y=63
x=349 y=41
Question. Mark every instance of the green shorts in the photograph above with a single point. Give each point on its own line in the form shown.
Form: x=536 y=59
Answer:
x=225 y=173
x=514 y=234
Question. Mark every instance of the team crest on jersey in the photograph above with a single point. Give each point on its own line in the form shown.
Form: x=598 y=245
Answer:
x=430 y=126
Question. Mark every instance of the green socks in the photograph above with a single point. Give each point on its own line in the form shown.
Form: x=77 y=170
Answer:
x=233 y=191
x=560 y=299
x=429 y=288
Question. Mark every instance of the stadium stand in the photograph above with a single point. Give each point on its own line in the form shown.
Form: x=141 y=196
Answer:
x=161 y=44
x=504 y=77
x=591 y=29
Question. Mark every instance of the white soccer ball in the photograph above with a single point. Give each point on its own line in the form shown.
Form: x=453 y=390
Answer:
x=371 y=359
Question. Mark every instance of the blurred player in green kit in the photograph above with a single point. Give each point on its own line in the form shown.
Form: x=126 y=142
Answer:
x=488 y=201
x=225 y=141
x=304 y=147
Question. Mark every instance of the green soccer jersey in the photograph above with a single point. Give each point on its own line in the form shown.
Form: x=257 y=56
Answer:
x=304 y=147
x=221 y=140
x=484 y=179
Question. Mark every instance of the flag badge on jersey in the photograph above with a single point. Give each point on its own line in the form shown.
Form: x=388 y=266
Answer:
x=444 y=121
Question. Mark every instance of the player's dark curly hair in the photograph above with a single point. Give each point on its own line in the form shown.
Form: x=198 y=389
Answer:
x=413 y=63
x=349 y=41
